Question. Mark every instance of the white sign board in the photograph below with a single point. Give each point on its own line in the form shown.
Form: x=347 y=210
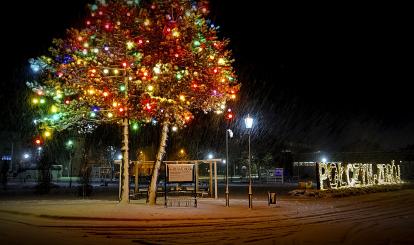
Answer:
x=180 y=172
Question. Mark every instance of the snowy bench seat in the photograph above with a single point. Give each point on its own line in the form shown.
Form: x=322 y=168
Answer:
x=181 y=201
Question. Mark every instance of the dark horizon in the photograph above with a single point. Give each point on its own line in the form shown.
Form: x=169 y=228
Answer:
x=327 y=76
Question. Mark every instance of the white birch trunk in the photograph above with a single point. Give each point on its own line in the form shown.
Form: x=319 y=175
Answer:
x=152 y=190
x=124 y=169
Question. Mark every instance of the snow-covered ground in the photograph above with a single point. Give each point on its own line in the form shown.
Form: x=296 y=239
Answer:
x=379 y=218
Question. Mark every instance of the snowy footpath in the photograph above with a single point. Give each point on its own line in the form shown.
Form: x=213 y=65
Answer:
x=379 y=218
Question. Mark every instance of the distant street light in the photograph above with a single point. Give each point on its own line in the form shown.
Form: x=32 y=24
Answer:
x=324 y=159
x=69 y=145
x=229 y=133
x=26 y=156
x=249 y=124
x=210 y=156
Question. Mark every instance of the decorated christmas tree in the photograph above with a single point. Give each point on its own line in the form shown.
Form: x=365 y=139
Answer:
x=140 y=61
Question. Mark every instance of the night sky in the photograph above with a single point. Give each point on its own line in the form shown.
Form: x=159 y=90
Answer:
x=318 y=74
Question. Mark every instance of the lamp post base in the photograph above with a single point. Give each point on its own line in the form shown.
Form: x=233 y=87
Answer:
x=250 y=200
x=227 y=199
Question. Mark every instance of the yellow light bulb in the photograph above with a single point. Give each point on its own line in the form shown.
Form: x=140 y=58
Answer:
x=116 y=71
x=233 y=96
x=110 y=115
x=221 y=61
x=53 y=109
x=182 y=97
x=47 y=134
x=150 y=88
x=106 y=71
x=35 y=101
x=130 y=45
x=176 y=33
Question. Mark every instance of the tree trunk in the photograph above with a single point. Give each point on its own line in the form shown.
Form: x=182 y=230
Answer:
x=152 y=190
x=124 y=169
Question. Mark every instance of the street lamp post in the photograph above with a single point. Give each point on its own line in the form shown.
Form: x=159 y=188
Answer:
x=249 y=124
x=228 y=133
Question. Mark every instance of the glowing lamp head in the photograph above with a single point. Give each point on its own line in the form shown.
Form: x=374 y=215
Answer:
x=38 y=142
x=324 y=159
x=210 y=156
x=174 y=128
x=249 y=122
x=35 y=101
